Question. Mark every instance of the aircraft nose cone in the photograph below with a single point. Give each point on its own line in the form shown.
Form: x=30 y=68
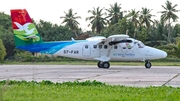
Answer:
x=163 y=54
x=160 y=54
x=153 y=53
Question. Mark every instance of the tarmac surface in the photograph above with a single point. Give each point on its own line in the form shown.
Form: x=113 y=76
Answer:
x=137 y=76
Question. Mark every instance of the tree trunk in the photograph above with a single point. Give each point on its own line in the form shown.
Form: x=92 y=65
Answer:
x=75 y=34
x=127 y=32
x=169 y=30
x=135 y=30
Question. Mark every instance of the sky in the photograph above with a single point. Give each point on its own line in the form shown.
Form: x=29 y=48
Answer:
x=52 y=10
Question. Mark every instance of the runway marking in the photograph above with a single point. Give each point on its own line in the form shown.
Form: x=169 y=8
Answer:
x=171 y=79
x=97 y=75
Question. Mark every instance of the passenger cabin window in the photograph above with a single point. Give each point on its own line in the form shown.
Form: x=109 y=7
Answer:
x=95 y=46
x=105 y=46
x=86 y=46
x=115 y=47
x=100 y=46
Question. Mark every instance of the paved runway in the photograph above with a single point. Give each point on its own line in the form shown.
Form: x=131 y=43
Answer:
x=115 y=75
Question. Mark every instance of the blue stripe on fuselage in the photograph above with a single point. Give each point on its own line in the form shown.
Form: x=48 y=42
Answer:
x=48 y=47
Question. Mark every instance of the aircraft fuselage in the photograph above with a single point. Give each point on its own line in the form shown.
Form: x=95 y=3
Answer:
x=124 y=51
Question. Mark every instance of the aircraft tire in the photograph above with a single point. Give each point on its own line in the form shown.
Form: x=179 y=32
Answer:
x=99 y=64
x=105 y=65
x=148 y=64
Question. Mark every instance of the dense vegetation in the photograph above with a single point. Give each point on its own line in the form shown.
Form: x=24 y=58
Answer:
x=83 y=91
x=107 y=21
x=2 y=51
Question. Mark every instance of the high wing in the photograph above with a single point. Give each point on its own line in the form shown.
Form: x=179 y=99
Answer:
x=97 y=39
x=115 y=39
x=111 y=40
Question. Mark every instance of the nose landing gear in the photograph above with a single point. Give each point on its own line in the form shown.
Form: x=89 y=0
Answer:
x=148 y=64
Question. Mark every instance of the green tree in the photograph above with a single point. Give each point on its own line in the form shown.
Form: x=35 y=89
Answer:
x=70 y=20
x=6 y=34
x=142 y=35
x=5 y=20
x=114 y=13
x=173 y=50
x=176 y=31
x=133 y=16
x=97 y=21
x=145 y=17
x=120 y=28
x=157 y=34
x=178 y=47
x=169 y=13
x=53 y=32
x=8 y=41
x=2 y=51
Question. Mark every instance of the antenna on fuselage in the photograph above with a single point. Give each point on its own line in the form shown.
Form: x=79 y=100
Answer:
x=72 y=39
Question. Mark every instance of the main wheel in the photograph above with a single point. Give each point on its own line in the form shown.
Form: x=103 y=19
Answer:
x=148 y=64
x=99 y=64
x=105 y=65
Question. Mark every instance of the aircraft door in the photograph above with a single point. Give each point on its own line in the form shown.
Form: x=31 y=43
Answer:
x=86 y=50
x=95 y=51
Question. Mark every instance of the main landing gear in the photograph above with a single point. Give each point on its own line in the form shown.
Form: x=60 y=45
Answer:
x=104 y=65
x=148 y=64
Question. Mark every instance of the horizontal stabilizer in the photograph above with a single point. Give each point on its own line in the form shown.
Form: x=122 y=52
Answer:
x=31 y=37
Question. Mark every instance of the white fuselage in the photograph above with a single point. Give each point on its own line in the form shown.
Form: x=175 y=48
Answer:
x=131 y=50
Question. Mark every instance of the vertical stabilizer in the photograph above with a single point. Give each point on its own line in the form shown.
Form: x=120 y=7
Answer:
x=25 y=32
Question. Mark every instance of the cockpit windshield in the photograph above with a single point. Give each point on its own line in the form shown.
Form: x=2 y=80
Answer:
x=140 y=44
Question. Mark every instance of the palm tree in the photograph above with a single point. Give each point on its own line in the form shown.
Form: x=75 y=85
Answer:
x=158 y=34
x=97 y=21
x=169 y=13
x=70 y=20
x=145 y=17
x=133 y=15
x=114 y=13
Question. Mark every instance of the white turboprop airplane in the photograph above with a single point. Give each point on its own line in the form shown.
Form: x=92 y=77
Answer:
x=102 y=49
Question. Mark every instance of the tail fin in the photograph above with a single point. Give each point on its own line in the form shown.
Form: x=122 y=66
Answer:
x=25 y=32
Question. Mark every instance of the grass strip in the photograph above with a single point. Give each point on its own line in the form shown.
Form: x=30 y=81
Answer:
x=83 y=91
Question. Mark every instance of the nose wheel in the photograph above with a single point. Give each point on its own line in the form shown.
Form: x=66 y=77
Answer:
x=148 y=64
x=104 y=65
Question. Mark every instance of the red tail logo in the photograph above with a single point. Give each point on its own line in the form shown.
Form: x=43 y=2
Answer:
x=21 y=16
